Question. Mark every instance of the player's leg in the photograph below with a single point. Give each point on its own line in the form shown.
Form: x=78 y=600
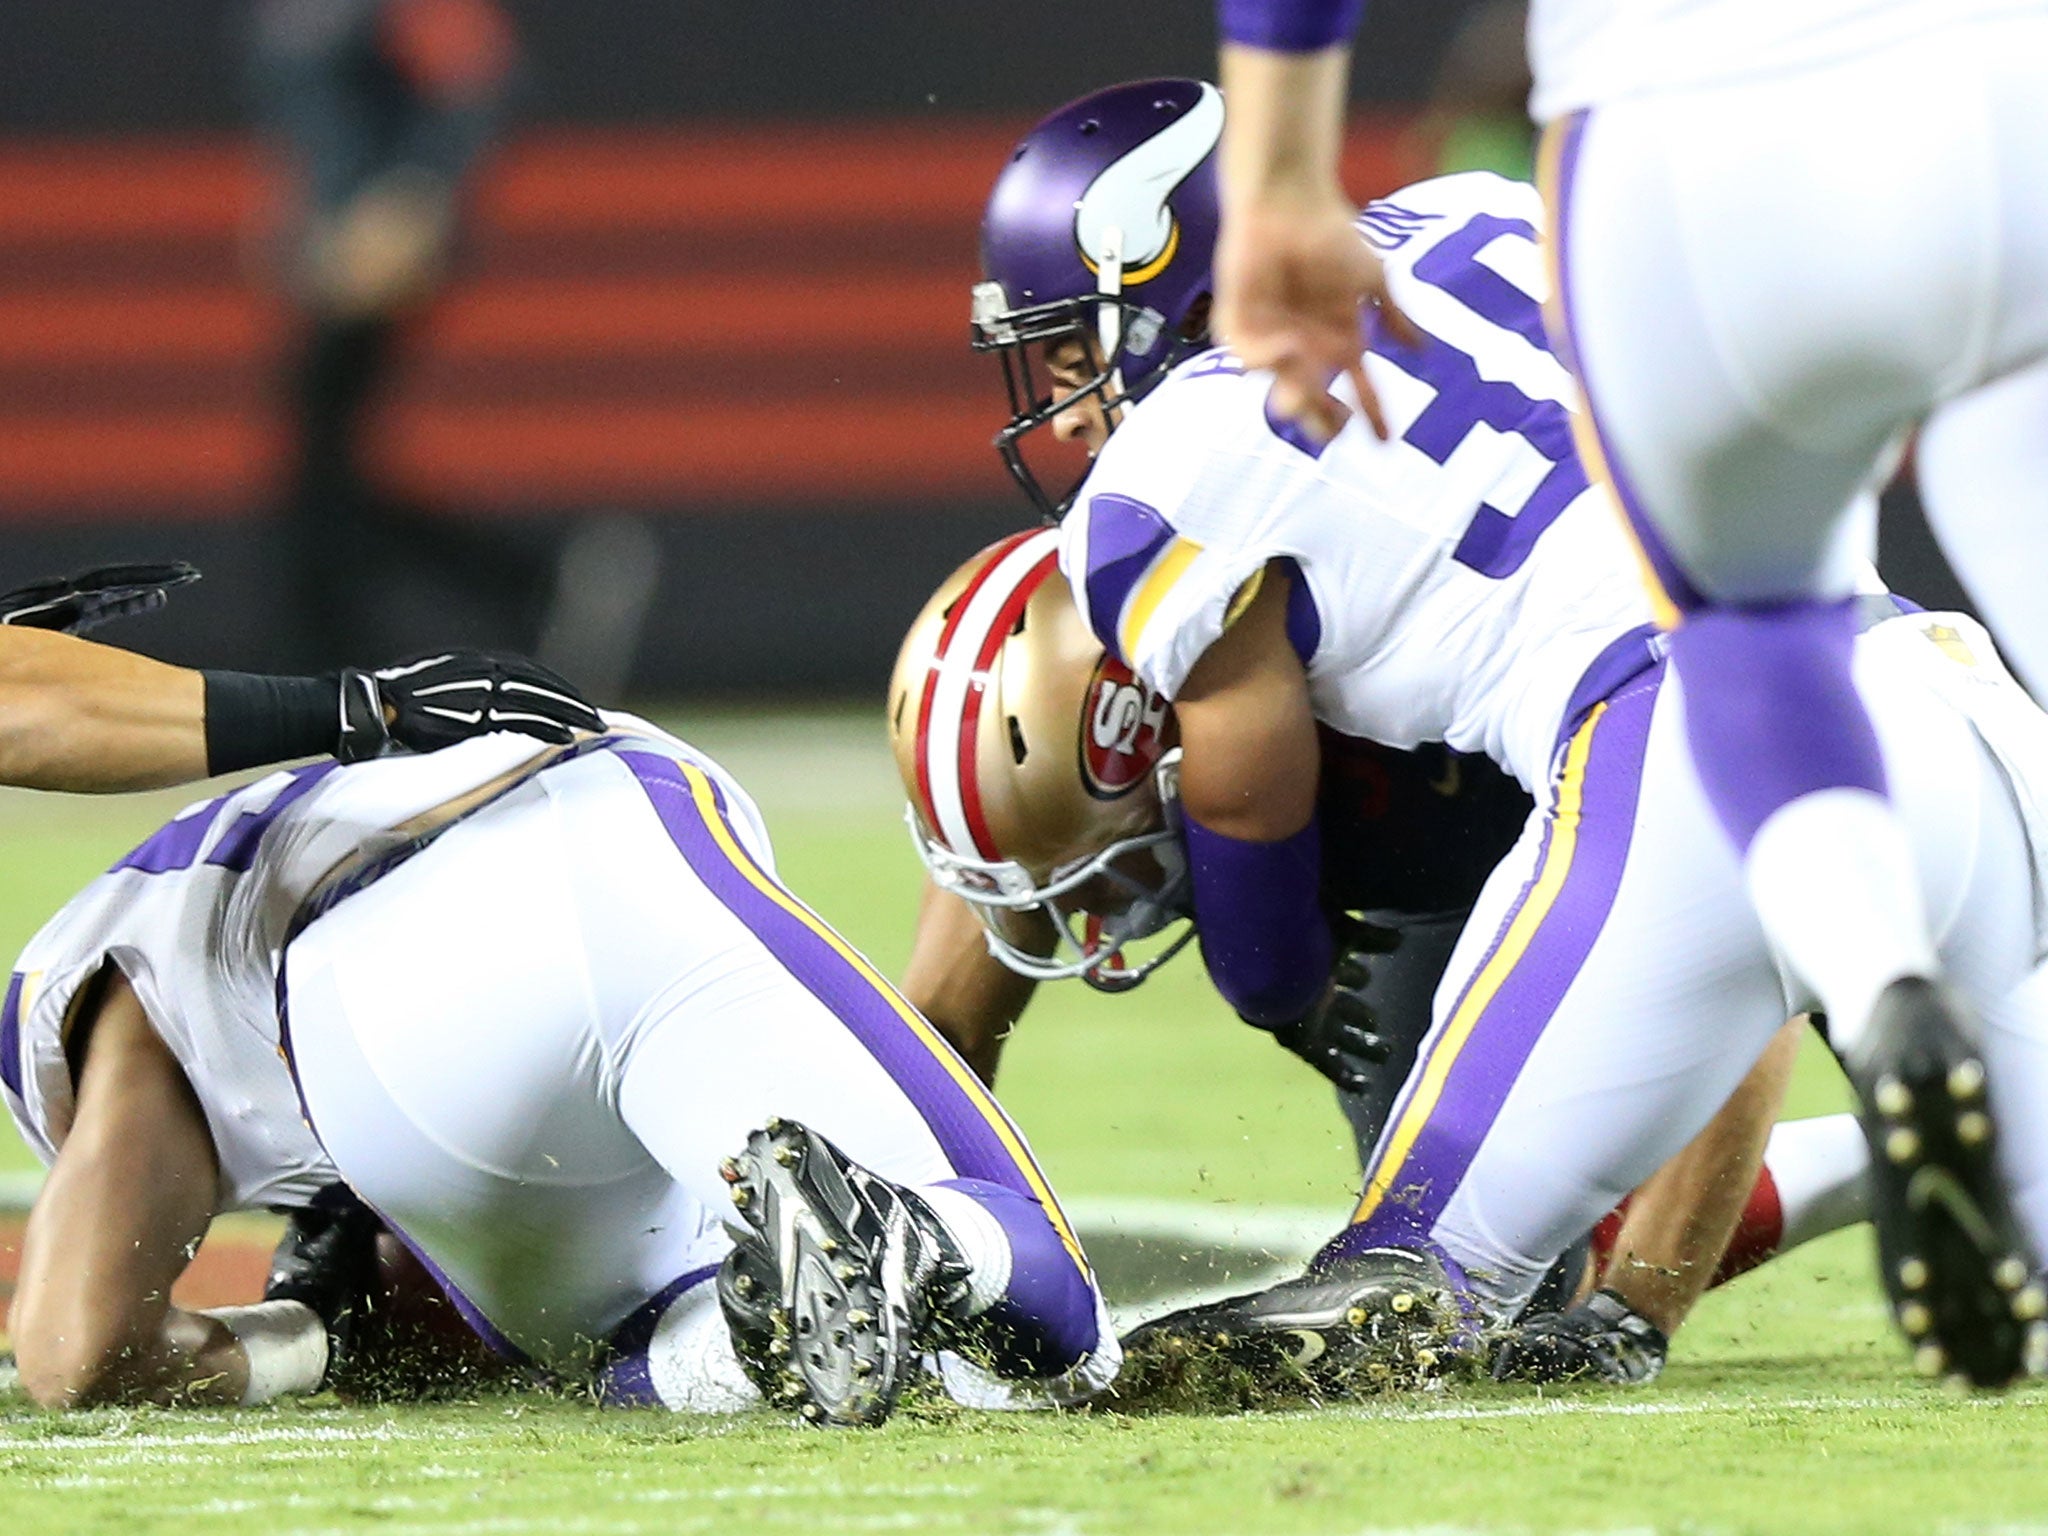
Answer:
x=126 y=1204
x=869 y=1113
x=1983 y=471
x=1746 y=361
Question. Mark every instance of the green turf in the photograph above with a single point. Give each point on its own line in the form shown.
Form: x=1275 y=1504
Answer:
x=1787 y=1407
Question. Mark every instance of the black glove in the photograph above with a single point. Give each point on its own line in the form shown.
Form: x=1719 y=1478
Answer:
x=1339 y=1036
x=1603 y=1338
x=77 y=603
x=327 y=1259
x=432 y=701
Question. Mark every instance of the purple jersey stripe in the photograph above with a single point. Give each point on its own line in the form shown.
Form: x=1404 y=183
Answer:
x=1414 y=1188
x=10 y=1036
x=1288 y=26
x=1124 y=537
x=965 y=1131
x=175 y=844
x=237 y=847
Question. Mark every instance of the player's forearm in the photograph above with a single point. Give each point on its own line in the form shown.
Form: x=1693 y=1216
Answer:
x=1680 y=1221
x=972 y=998
x=1285 y=128
x=80 y=716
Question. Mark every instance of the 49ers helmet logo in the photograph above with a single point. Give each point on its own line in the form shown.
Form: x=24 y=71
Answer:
x=1123 y=731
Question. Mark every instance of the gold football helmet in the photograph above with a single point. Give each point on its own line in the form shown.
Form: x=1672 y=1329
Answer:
x=1042 y=775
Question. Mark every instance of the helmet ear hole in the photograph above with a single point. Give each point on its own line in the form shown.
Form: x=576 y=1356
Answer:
x=1018 y=750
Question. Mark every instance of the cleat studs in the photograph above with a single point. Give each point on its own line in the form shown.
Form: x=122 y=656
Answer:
x=785 y=1155
x=812 y=1412
x=1913 y=1274
x=1966 y=1079
x=742 y=1197
x=1902 y=1145
x=743 y=1284
x=1425 y=1359
x=846 y=1272
x=729 y=1170
x=1973 y=1127
x=1402 y=1302
x=2011 y=1272
x=779 y=1348
x=863 y=1367
x=859 y=1319
x=1930 y=1359
x=829 y=1244
x=1916 y=1319
x=1892 y=1098
x=1355 y=1318
x=2030 y=1305
x=774 y=1125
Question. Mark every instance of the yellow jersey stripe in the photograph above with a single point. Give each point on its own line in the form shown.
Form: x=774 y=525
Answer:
x=1151 y=592
x=707 y=808
x=1550 y=879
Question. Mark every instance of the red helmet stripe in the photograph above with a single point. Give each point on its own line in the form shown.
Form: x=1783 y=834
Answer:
x=927 y=806
x=949 y=705
x=977 y=689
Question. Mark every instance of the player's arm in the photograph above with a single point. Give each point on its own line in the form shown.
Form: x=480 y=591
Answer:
x=1250 y=763
x=953 y=980
x=79 y=716
x=127 y=1200
x=1291 y=272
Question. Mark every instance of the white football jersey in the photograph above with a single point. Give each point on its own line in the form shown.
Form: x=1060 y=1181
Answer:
x=1454 y=582
x=1585 y=52
x=197 y=917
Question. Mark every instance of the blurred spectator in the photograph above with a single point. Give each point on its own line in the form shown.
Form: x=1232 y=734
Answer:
x=383 y=109
x=1478 y=116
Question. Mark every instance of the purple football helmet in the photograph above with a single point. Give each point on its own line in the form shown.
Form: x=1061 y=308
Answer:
x=1102 y=229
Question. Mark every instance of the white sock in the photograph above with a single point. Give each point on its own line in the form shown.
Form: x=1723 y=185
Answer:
x=1820 y=1167
x=690 y=1359
x=982 y=1240
x=1834 y=883
x=285 y=1343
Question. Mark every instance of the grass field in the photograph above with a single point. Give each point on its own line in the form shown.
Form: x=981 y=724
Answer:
x=1185 y=1144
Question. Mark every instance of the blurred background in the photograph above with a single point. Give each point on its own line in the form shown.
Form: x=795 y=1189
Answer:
x=631 y=332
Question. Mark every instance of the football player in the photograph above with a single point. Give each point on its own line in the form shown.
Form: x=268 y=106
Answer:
x=86 y=717
x=523 y=1000
x=1768 y=272
x=1461 y=582
x=1075 y=863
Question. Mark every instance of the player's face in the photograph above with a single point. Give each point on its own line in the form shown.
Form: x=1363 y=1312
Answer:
x=1073 y=363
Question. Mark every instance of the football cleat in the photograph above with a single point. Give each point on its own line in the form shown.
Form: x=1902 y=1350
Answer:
x=1384 y=1318
x=1603 y=1338
x=839 y=1282
x=1950 y=1252
x=327 y=1259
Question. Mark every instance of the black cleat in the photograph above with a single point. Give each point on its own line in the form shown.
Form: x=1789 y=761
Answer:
x=1603 y=1338
x=327 y=1259
x=1949 y=1251
x=1384 y=1318
x=839 y=1281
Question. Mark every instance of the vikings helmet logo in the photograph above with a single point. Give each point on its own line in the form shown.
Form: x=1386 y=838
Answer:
x=1122 y=222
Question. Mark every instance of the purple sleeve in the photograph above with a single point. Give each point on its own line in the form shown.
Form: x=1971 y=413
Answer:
x=1288 y=26
x=1263 y=935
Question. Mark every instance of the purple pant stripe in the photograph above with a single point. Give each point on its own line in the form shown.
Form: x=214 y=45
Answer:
x=964 y=1133
x=1677 y=586
x=10 y=1036
x=1492 y=1056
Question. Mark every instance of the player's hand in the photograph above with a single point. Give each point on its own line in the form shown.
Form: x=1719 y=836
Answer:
x=75 y=604
x=1293 y=279
x=433 y=701
x=1340 y=1036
